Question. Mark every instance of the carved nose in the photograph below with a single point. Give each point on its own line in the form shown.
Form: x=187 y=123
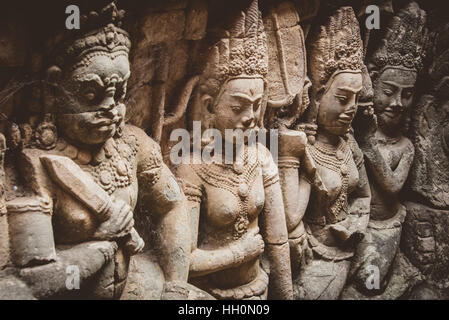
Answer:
x=247 y=121
x=397 y=103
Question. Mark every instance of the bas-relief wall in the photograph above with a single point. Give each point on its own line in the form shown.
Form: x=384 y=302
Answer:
x=360 y=180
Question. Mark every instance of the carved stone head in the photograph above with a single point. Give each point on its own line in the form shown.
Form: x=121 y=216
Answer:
x=232 y=89
x=92 y=75
x=394 y=66
x=336 y=61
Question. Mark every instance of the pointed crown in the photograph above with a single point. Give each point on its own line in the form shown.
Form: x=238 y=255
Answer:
x=100 y=33
x=336 y=47
x=405 y=42
x=240 y=51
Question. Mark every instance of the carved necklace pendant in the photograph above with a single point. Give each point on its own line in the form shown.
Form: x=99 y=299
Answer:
x=335 y=159
x=236 y=178
x=112 y=166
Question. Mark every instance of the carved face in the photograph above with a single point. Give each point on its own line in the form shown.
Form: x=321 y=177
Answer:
x=239 y=106
x=338 y=105
x=92 y=111
x=393 y=95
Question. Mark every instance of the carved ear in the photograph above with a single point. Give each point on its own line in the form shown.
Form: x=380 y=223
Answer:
x=206 y=104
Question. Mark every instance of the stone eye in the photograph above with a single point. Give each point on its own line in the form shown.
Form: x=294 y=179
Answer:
x=236 y=108
x=388 y=92
x=343 y=99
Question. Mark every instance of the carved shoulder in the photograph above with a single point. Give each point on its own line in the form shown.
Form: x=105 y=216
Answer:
x=270 y=172
x=189 y=181
x=357 y=153
x=149 y=157
x=33 y=173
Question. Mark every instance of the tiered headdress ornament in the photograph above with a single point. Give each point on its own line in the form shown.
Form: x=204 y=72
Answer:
x=240 y=51
x=336 y=48
x=405 y=42
x=100 y=34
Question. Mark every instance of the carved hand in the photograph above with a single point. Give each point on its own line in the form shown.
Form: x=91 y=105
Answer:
x=119 y=224
x=292 y=143
x=249 y=248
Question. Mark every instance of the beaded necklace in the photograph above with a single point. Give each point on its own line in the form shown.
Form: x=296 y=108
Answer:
x=112 y=167
x=237 y=179
x=335 y=159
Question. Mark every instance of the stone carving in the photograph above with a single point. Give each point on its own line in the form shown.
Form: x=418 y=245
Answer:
x=236 y=209
x=334 y=203
x=288 y=99
x=388 y=152
x=82 y=191
x=82 y=168
x=425 y=239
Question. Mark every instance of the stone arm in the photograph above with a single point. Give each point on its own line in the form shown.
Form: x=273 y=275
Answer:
x=390 y=180
x=274 y=230
x=73 y=267
x=296 y=188
x=294 y=181
x=360 y=201
x=202 y=261
x=296 y=170
x=162 y=194
x=360 y=198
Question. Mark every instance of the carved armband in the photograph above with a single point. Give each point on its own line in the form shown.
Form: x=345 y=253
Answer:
x=153 y=167
x=191 y=191
x=288 y=162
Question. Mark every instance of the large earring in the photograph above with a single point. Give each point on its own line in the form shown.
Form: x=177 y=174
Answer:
x=46 y=134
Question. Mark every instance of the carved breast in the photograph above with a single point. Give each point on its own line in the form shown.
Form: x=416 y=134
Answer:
x=233 y=197
x=223 y=206
x=113 y=169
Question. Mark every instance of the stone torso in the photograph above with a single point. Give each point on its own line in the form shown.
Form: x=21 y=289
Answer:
x=235 y=197
x=337 y=168
x=112 y=166
x=383 y=205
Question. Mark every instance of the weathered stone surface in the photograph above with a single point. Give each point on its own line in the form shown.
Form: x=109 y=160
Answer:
x=81 y=188
x=429 y=251
x=196 y=20
x=164 y=26
x=145 y=279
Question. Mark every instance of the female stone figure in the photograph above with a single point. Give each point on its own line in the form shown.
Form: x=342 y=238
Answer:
x=82 y=168
x=388 y=152
x=236 y=209
x=334 y=203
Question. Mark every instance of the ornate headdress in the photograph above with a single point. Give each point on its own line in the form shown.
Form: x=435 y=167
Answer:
x=337 y=47
x=404 y=44
x=100 y=33
x=240 y=51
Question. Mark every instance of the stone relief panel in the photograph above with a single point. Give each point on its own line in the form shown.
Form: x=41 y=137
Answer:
x=351 y=174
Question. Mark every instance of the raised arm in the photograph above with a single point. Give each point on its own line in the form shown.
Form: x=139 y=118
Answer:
x=391 y=181
x=274 y=230
x=166 y=201
x=360 y=199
